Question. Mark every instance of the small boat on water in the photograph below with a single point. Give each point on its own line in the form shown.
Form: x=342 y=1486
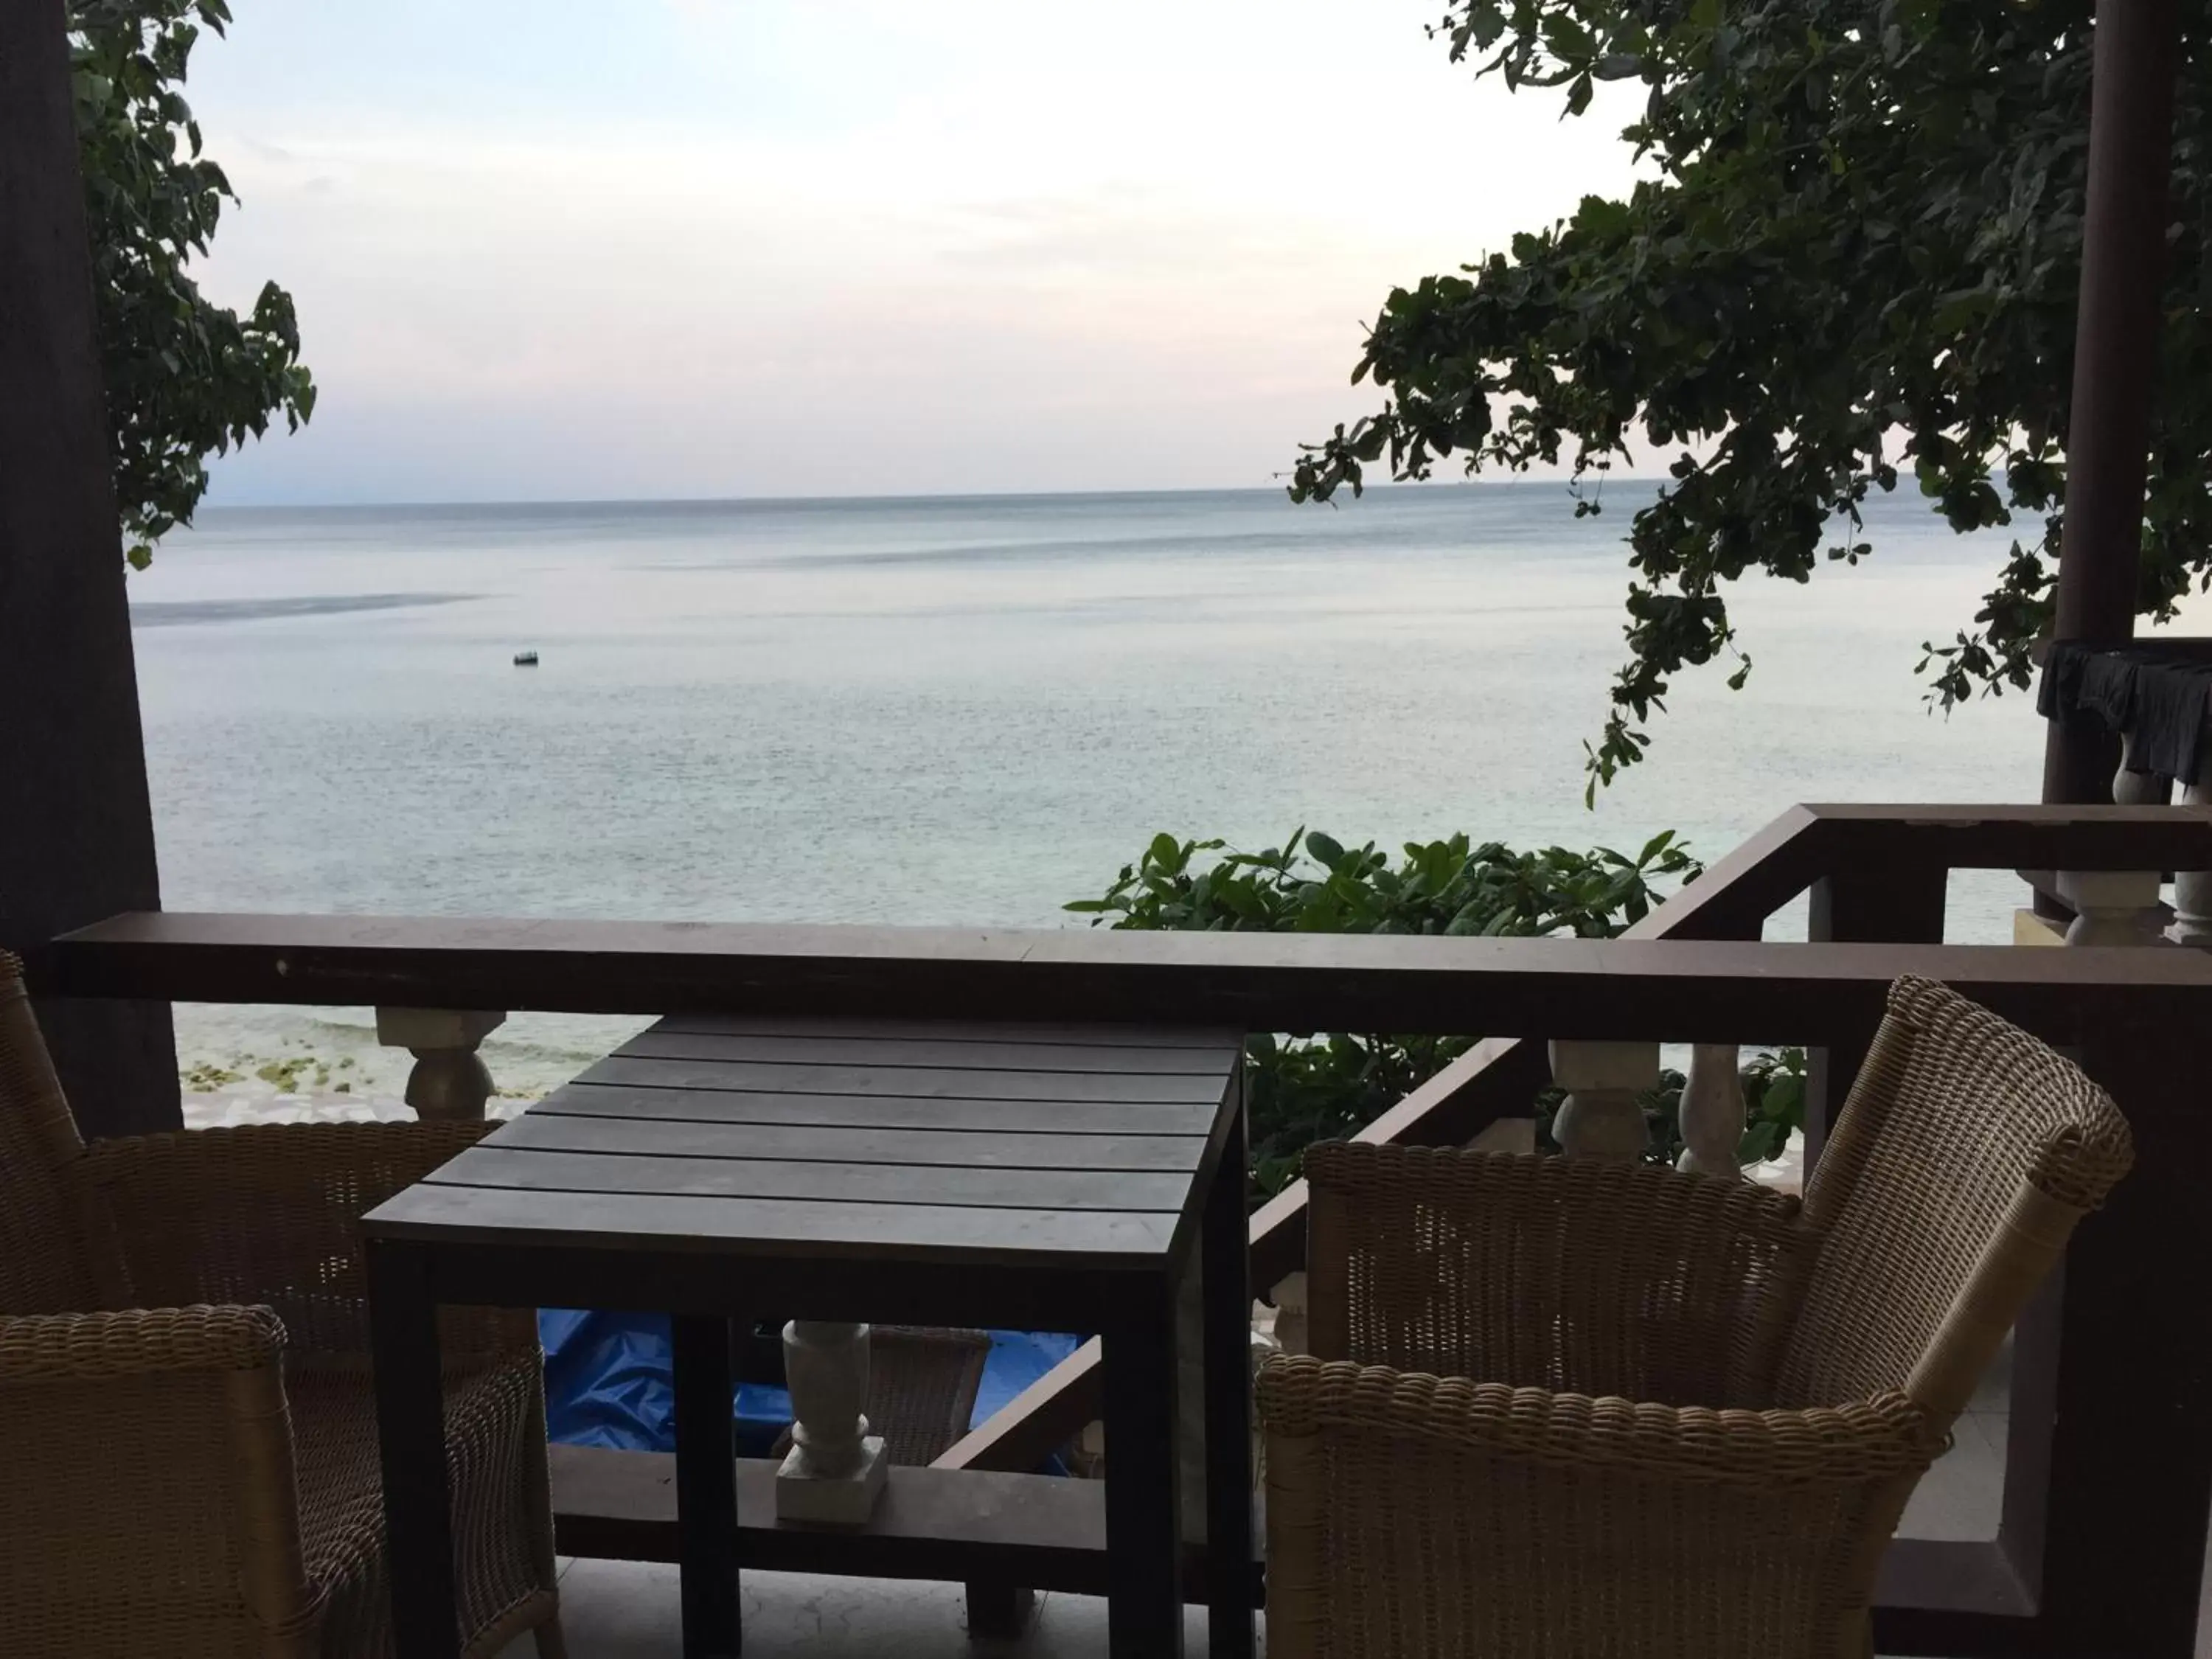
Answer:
x=525 y=659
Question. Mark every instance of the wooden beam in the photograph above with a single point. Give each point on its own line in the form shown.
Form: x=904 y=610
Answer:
x=1752 y=880
x=2124 y=269
x=1032 y=1427
x=76 y=830
x=1653 y=989
x=2123 y=1538
x=1905 y=840
x=1864 y=900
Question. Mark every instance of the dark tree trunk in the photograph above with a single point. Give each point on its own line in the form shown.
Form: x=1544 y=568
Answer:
x=76 y=830
x=2124 y=267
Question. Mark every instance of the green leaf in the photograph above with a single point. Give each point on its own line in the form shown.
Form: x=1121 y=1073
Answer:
x=185 y=378
x=1855 y=237
x=1761 y=1144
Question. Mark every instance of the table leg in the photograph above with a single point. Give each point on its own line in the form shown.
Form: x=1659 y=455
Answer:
x=1228 y=1354
x=411 y=1428
x=1144 y=1531
x=705 y=1489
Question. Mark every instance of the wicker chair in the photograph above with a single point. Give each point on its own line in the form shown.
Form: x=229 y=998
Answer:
x=186 y=1412
x=1702 y=1409
x=923 y=1382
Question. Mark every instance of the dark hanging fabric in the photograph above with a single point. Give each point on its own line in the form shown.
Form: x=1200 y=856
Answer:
x=2108 y=688
x=2059 y=694
x=2168 y=724
x=2158 y=696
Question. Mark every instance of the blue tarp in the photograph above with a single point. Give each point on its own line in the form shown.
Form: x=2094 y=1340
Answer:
x=607 y=1382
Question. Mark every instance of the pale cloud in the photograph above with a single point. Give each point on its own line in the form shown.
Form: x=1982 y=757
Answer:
x=792 y=247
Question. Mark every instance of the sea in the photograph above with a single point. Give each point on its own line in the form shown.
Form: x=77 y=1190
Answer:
x=966 y=709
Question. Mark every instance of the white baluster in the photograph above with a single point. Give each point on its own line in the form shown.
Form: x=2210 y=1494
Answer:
x=1711 y=1112
x=2192 y=901
x=1599 y=1117
x=450 y=1082
x=2192 y=888
x=1289 y=1297
x=836 y=1469
x=2133 y=784
x=2112 y=907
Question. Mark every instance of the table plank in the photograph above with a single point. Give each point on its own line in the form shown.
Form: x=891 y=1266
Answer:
x=1108 y=1037
x=878 y=1111
x=918 y=1082
x=785 y=1230
x=866 y=1047
x=1084 y=1188
x=818 y=1144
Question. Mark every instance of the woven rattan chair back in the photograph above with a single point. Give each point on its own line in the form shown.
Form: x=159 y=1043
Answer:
x=1505 y=1441
x=1957 y=1170
x=1424 y=1259
x=922 y=1384
x=42 y=1268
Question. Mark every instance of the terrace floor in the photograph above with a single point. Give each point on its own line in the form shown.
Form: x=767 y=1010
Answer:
x=628 y=1610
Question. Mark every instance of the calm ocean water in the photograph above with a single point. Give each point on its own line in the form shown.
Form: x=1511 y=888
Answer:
x=965 y=709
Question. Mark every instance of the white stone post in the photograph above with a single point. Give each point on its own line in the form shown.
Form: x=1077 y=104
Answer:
x=835 y=1468
x=1289 y=1297
x=450 y=1082
x=1711 y=1112
x=1599 y=1117
x=2133 y=786
x=2192 y=888
x=2192 y=901
x=2112 y=907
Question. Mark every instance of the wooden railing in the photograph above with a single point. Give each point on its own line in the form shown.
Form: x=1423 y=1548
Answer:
x=1876 y=874
x=2110 y=1462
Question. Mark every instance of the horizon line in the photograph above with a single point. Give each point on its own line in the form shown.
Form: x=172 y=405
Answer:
x=887 y=498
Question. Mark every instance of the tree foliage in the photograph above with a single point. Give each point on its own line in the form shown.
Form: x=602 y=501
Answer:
x=185 y=377
x=1857 y=258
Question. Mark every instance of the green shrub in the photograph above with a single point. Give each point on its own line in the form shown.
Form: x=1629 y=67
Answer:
x=1302 y=1087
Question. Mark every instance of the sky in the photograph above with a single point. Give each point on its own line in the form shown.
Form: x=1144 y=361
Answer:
x=704 y=248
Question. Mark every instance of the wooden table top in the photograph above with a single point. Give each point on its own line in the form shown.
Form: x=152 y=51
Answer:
x=813 y=1138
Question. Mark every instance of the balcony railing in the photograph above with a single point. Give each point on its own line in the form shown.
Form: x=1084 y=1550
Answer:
x=2102 y=1543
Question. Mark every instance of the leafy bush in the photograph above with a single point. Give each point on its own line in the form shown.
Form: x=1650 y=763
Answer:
x=1303 y=1088
x=1314 y=884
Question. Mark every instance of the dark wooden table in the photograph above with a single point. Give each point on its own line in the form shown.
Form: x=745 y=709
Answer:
x=720 y=1170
